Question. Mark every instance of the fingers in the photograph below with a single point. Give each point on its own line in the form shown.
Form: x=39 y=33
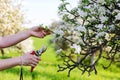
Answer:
x=33 y=64
x=39 y=32
x=46 y=31
x=34 y=61
x=30 y=60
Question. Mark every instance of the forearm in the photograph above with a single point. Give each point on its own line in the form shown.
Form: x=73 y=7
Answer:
x=8 y=63
x=14 y=39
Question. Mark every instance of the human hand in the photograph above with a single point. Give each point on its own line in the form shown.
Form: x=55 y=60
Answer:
x=39 y=32
x=29 y=60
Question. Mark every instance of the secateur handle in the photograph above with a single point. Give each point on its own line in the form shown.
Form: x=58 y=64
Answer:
x=38 y=53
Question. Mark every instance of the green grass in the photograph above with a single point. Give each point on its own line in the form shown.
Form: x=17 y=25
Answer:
x=47 y=68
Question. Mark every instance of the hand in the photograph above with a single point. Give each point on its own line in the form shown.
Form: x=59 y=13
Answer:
x=39 y=32
x=29 y=60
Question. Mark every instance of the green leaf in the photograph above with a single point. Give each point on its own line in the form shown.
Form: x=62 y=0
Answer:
x=85 y=1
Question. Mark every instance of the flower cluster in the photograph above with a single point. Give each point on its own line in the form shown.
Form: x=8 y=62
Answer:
x=91 y=26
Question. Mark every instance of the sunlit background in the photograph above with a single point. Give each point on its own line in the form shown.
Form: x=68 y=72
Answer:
x=42 y=11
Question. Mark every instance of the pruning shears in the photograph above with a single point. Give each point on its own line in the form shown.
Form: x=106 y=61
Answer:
x=38 y=53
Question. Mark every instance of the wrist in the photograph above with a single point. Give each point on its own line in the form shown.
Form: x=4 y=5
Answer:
x=20 y=61
x=25 y=34
x=30 y=32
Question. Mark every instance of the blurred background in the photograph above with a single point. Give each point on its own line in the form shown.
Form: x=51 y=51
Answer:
x=18 y=15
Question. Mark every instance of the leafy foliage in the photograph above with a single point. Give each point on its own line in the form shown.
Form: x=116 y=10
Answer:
x=93 y=34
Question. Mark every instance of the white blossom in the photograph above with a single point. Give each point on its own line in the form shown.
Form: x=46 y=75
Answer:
x=100 y=34
x=59 y=32
x=77 y=48
x=103 y=19
x=119 y=4
x=108 y=48
x=59 y=51
x=81 y=29
x=82 y=13
x=102 y=10
x=100 y=26
x=117 y=16
x=107 y=37
x=116 y=11
x=111 y=27
x=81 y=41
x=88 y=7
x=101 y=1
